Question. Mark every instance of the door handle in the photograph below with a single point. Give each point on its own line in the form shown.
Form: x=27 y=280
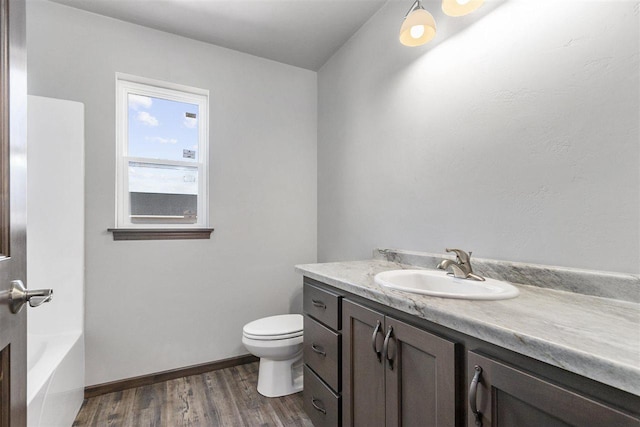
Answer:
x=19 y=295
x=374 y=337
x=319 y=304
x=316 y=348
x=385 y=348
x=473 y=393
x=317 y=407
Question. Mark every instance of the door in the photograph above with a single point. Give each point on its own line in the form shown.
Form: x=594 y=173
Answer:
x=13 y=154
x=420 y=377
x=362 y=367
x=502 y=395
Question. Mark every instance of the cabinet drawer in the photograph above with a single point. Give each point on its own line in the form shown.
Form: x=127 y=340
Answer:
x=323 y=305
x=322 y=352
x=320 y=403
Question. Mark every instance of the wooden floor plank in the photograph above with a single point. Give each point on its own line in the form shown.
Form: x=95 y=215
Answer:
x=223 y=398
x=145 y=408
x=252 y=413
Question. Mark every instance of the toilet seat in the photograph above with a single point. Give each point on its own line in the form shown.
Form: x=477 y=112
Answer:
x=275 y=328
x=271 y=337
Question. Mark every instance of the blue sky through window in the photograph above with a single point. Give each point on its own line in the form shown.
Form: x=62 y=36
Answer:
x=162 y=129
x=167 y=130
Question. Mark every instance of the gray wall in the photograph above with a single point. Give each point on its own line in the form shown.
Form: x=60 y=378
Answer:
x=150 y=305
x=513 y=134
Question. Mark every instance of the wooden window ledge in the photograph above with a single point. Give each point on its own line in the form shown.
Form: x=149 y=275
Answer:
x=160 y=233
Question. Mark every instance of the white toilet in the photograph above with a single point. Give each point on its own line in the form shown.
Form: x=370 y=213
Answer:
x=277 y=341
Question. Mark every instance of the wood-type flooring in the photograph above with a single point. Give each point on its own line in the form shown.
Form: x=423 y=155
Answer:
x=226 y=397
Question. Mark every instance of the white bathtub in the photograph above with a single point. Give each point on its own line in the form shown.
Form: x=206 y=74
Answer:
x=55 y=385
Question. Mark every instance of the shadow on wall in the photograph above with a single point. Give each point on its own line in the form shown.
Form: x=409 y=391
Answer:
x=295 y=303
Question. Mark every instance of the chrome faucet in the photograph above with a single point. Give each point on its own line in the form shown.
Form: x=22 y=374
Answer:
x=461 y=267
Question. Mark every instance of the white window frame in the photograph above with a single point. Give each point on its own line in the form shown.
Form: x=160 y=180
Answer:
x=126 y=84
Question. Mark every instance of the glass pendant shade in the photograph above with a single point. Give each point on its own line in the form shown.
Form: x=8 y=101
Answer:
x=460 y=7
x=418 y=28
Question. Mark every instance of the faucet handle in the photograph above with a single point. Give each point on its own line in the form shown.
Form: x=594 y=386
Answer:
x=463 y=257
x=463 y=264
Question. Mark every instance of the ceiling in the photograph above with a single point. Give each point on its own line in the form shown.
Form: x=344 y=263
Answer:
x=303 y=33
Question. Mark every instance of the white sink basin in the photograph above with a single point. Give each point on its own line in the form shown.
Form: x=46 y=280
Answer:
x=438 y=284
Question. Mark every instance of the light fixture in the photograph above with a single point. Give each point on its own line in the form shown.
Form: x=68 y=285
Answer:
x=418 y=26
x=460 y=7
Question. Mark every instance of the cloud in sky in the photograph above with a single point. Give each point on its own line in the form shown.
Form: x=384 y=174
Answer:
x=190 y=122
x=138 y=101
x=161 y=140
x=147 y=119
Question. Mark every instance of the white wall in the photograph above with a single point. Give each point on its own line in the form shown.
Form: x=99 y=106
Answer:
x=158 y=305
x=514 y=134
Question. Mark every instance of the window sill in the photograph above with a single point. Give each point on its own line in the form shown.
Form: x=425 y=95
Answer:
x=160 y=233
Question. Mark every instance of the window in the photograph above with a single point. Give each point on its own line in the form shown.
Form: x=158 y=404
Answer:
x=162 y=141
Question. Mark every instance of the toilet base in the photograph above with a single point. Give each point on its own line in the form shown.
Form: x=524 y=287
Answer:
x=280 y=377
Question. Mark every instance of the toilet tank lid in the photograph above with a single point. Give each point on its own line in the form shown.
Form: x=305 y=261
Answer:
x=275 y=325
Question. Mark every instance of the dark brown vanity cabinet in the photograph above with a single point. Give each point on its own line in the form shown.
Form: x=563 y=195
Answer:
x=502 y=395
x=322 y=355
x=394 y=374
x=366 y=368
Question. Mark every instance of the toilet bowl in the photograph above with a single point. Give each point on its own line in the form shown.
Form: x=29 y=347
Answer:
x=277 y=341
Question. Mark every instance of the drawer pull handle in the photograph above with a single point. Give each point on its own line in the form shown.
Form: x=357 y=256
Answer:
x=376 y=331
x=317 y=407
x=385 y=348
x=319 y=304
x=318 y=349
x=473 y=392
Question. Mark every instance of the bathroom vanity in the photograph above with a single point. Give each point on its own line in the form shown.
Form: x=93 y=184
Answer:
x=380 y=357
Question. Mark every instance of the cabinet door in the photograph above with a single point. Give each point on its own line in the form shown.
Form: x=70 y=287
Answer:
x=506 y=396
x=420 y=377
x=363 y=371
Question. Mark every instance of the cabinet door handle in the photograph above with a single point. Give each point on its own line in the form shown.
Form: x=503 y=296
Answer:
x=473 y=392
x=318 y=350
x=376 y=331
x=319 y=304
x=385 y=348
x=318 y=407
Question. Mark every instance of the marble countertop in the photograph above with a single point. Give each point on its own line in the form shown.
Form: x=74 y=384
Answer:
x=591 y=336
